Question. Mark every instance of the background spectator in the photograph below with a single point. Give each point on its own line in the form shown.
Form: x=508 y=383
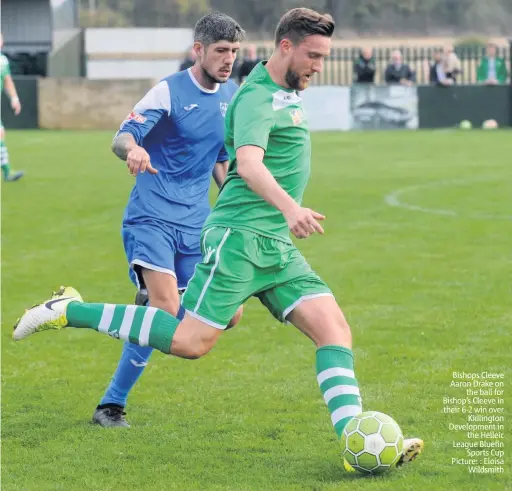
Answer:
x=250 y=61
x=189 y=60
x=398 y=72
x=451 y=64
x=436 y=70
x=492 y=70
x=364 y=67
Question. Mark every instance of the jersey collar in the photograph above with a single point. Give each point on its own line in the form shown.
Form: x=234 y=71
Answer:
x=199 y=86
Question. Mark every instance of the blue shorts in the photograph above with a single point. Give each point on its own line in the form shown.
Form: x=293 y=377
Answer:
x=161 y=249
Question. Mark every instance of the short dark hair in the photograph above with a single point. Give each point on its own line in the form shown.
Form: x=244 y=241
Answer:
x=215 y=27
x=299 y=23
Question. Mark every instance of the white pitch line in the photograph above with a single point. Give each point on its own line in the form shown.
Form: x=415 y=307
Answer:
x=37 y=140
x=393 y=199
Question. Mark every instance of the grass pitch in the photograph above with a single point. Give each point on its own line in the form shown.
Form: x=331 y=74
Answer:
x=417 y=250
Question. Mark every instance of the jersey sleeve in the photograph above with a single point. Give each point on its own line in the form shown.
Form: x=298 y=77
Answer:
x=253 y=118
x=223 y=155
x=147 y=112
x=5 y=68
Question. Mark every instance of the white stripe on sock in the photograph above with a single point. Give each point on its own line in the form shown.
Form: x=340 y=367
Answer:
x=4 y=156
x=146 y=326
x=334 y=372
x=344 y=412
x=126 y=324
x=340 y=390
x=106 y=317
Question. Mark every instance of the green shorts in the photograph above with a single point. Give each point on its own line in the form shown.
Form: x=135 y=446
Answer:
x=239 y=264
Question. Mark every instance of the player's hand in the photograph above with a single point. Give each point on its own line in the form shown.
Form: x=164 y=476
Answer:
x=137 y=161
x=16 y=105
x=303 y=222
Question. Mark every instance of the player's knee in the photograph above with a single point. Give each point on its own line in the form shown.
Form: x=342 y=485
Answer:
x=165 y=301
x=236 y=318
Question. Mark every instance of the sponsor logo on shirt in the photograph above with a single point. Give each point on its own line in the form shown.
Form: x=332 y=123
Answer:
x=282 y=99
x=223 y=108
x=138 y=118
x=189 y=108
x=297 y=116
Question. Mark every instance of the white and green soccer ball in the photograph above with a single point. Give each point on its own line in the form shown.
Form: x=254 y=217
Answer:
x=372 y=442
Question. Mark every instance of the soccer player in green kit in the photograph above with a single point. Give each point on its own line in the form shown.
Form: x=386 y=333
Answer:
x=245 y=242
x=10 y=88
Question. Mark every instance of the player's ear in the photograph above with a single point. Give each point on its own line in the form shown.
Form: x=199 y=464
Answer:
x=286 y=45
x=197 y=47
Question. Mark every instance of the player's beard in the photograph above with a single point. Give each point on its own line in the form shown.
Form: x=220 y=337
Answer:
x=292 y=79
x=210 y=78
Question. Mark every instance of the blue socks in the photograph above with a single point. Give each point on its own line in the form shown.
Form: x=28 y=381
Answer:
x=133 y=361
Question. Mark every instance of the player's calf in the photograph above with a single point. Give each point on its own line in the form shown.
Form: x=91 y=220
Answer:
x=143 y=326
x=322 y=320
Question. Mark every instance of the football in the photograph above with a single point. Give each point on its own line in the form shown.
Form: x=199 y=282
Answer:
x=489 y=124
x=372 y=442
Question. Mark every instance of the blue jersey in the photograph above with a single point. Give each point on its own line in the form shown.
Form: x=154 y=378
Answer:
x=181 y=126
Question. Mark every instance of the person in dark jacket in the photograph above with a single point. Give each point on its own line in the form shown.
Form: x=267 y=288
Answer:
x=398 y=72
x=364 y=67
x=438 y=75
x=250 y=61
x=189 y=60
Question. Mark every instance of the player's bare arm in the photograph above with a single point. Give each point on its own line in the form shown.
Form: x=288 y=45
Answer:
x=137 y=159
x=220 y=171
x=10 y=88
x=301 y=221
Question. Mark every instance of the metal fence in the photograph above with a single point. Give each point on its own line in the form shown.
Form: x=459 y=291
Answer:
x=339 y=67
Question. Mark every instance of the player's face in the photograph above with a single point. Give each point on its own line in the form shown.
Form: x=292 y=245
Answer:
x=305 y=59
x=217 y=60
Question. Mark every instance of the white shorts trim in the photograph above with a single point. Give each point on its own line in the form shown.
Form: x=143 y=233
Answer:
x=152 y=267
x=295 y=304
x=195 y=315
x=212 y=272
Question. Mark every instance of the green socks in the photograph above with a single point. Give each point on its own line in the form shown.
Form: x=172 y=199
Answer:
x=335 y=375
x=4 y=160
x=144 y=326
x=148 y=326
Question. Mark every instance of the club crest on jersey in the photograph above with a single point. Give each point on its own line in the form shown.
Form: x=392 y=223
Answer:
x=138 y=118
x=223 y=108
x=297 y=116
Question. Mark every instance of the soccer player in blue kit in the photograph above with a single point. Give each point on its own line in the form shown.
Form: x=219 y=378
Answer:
x=173 y=141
